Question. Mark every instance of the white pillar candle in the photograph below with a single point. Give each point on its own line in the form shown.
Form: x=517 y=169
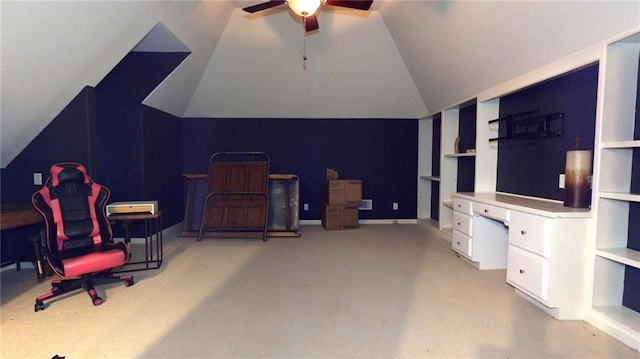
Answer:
x=577 y=185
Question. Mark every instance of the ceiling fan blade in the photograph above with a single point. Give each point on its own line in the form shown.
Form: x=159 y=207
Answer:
x=263 y=6
x=311 y=22
x=352 y=4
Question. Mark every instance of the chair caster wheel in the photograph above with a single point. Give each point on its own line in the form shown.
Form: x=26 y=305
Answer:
x=97 y=301
x=128 y=283
x=38 y=306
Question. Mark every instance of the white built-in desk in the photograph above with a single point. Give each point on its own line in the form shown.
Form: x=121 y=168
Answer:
x=541 y=244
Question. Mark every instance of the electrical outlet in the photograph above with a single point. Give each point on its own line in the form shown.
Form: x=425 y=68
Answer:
x=305 y=206
x=37 y=179
x=561 y=181
x=395 y=206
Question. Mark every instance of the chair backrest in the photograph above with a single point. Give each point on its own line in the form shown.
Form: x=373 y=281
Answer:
x=74 y=209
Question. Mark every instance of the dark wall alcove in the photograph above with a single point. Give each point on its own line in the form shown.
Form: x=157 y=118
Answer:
x=467 y=134
x=380 y=152
x=531 y=166
x=138 y=148
x=435 y=167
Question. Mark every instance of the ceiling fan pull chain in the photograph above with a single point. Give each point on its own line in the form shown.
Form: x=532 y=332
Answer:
x=304 y=53
x=304 y=39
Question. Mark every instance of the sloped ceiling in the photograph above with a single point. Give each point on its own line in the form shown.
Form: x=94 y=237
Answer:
x=402 y=59
x=51 y=50
x=455 y=49
x=353 y=70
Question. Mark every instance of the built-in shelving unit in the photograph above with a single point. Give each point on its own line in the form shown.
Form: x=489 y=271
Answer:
x=447 y=161
x=448 y=165
x=611 y=249
x=425 y=162
x=615 y=147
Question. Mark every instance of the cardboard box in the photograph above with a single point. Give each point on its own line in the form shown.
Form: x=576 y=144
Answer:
x=339 y=217
x=343 y=192
x=350 y=218
x=331 y=217
x=332 y=174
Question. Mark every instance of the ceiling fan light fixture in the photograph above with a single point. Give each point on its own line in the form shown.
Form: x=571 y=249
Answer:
x=304 y=7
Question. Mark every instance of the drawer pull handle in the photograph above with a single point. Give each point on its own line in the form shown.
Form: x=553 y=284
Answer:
x=521 y=271
x=458 y=243
x=523 y=232
x=458 y=223
x=486 y=211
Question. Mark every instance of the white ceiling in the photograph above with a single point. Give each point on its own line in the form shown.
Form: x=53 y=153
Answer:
x=353 y=70
x=400 y=60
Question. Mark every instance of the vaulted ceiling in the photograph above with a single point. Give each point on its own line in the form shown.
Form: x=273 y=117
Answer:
x=402 y=59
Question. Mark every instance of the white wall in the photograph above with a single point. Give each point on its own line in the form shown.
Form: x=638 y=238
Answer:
x=455 y=49
x=353 y=70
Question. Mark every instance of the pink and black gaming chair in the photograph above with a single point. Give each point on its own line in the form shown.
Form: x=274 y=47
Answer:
x=78 y=241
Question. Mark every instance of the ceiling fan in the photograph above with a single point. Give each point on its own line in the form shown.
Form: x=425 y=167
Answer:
x=308 y=9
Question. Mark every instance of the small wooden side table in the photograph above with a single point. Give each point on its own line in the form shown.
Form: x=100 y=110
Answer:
x=152 y=239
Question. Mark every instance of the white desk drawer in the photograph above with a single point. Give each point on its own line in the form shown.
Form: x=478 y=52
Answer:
x=462 y=205
x=528 y=272
x=530 y=232
x=487 y=210
x=461 y=243
x=463 y=223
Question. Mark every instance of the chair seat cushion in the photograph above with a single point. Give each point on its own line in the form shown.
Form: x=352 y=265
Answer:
x=101 y=258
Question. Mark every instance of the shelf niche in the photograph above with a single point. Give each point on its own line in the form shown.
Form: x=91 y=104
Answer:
x=435 y=166
x=466 y=160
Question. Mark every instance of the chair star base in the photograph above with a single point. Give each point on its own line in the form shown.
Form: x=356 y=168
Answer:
x=87 y=282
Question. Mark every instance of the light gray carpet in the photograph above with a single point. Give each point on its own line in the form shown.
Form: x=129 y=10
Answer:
x=381 y=291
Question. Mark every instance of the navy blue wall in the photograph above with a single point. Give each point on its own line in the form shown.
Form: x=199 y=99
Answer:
x=382 y=153
x=134 y=150
x=162 y=162
x=70 y=137
x=139 y=149
x=532 y=166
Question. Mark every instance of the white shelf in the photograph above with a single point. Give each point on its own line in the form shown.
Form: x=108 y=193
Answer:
x=621 y=315
x=463 y=154
x=431 y=178
x=631 y=197
x=618 y=321
x=626 y=256
x=621 y=144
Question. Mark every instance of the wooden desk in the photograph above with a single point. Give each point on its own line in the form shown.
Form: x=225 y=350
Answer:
x=15 y=215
